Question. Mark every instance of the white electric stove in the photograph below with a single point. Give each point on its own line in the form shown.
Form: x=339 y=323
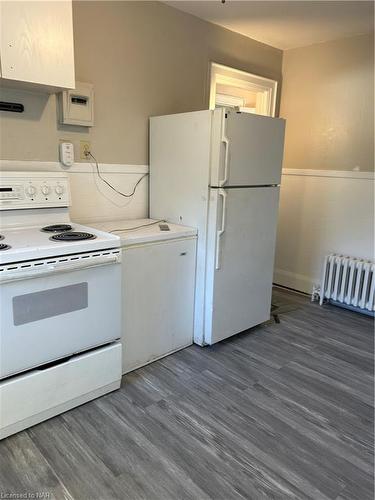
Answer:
x=60 y=303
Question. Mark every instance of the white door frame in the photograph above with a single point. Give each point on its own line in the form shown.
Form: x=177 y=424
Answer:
x=265 y=88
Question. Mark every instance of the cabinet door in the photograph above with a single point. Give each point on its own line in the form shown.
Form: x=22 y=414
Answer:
x=158 y=300
x=37 y=43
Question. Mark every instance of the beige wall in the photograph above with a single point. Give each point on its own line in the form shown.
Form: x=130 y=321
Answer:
x=144 y=58
x=328 y=101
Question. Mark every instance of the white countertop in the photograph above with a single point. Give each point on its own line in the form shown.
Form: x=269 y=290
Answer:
x=139 y=231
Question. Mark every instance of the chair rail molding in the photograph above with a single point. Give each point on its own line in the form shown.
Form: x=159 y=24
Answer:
x=345 y=174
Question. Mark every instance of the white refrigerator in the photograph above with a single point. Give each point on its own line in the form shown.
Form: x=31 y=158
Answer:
x=219 y=171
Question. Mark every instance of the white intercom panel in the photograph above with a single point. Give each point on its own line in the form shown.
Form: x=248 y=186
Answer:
x=67 y=153
x=77 y=105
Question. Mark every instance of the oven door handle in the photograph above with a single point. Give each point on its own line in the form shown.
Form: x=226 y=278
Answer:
x=59 y=268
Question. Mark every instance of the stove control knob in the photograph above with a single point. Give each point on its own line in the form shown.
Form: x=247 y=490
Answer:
x=45 y=189
x=59 y=189
x=30 y=191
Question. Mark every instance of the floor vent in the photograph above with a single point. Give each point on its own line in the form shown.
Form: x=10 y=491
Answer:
x=349 y=282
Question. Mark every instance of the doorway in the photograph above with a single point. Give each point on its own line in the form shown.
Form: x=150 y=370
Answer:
x=249 y=93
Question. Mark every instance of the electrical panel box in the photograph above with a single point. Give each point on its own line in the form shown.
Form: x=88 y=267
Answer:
x=77 y=105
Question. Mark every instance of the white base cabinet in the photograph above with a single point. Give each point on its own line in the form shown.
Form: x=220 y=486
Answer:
x=36 y=45
x=158 y=300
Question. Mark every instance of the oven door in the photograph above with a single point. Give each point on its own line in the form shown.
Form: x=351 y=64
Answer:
x=53 y=309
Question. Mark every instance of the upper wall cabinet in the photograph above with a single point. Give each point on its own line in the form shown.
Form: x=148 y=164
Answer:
x=36 y=45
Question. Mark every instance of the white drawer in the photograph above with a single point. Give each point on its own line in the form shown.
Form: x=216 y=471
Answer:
x=28 y=399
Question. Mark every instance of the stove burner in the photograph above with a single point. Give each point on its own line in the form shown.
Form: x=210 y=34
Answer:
x=57 y=228
x=3 y=246
x=1 y=237
x=72 y=236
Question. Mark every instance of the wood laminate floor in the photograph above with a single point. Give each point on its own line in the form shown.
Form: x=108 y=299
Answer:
x=283 y=411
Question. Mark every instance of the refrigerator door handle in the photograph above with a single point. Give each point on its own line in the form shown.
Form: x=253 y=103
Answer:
x=219 y=233
x=225 y=141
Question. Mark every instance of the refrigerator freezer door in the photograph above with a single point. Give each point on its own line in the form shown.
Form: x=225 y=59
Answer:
x=251 y=149
x=240 y=258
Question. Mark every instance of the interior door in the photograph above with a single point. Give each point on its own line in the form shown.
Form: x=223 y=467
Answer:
x=240 y=259
x=255 y=146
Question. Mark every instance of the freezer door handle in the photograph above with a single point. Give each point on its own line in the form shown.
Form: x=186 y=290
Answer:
x=225 y=141
x=219 y=233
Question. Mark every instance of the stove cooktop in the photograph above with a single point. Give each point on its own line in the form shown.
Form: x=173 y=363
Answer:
x=57 y=228
x=29 y=243
x=4 y=246
x=72 y=236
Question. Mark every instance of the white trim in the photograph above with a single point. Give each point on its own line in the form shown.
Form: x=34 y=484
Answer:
x=55 y=166
x=344 y=174
x=265 y=87
x=229 y=100
x=295 y=281
x=242 y=73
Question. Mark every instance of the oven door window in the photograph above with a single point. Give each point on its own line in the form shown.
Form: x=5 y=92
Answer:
x=48 y=303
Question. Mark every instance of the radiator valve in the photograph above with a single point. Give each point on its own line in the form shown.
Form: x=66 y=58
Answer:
x=315 y=293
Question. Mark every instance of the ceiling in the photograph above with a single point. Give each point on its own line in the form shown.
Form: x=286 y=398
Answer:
x=286 y=24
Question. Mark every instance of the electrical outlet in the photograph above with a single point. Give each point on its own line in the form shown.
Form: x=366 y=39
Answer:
x=85 y=148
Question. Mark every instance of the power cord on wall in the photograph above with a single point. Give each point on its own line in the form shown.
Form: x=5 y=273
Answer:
x=122 y=230
x=126 y=195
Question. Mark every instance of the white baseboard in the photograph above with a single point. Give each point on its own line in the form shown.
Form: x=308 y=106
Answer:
x=295 y=281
